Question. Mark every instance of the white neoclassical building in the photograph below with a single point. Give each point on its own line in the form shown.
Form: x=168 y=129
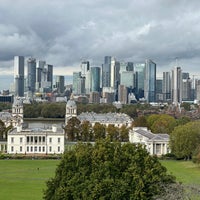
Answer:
x=24 y=140
x=35 y=141
x=156 y=144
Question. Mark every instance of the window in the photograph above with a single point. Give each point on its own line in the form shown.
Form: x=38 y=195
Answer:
x=27 y=148
x=50 y=149
x=58 y=140
x=40 y=138
x=35 y=149
x=43 y=149
x=20 y=149
x=31 y=139
x=50 y=140
x=43 y=139
x=39 y=149
x=31 y=149
x=27 y=139
x=21 y=139
x=58 y=149
x=35 y=139
x=12 y=148
x=12 y=139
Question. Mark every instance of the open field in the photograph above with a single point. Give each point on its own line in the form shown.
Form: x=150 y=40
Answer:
x=25 y=179
x=186 y=172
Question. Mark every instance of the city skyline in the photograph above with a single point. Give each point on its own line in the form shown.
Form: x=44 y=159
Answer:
x=66 y=32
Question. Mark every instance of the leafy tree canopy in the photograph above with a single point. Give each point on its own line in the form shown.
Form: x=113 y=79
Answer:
x=185 y=139
x=107 y=171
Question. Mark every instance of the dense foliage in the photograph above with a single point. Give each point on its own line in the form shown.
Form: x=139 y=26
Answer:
x=46 y=110
x=5 y=106
x=107 y=171
x=77 y=131
x=185 y=139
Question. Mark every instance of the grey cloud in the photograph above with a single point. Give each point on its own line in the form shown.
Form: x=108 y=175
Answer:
x=63 y=32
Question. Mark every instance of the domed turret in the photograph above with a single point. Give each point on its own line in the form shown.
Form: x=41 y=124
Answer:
x=71 y=109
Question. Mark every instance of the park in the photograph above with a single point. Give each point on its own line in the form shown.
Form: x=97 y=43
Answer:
x=26 y=179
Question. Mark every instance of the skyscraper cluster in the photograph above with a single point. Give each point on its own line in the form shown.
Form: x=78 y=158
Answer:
x=129 y=82
x=39 y=77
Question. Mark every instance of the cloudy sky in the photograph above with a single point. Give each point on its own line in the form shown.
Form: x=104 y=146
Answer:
x=64 y=32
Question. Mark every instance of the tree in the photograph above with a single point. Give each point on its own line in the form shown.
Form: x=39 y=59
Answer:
x=2 y=129
x=112 y=132
x=99 y=131
x=141 y=121
x=86 y=131
x=107 y=170
x=72 y=129
x=124 y=133
x=185 y=139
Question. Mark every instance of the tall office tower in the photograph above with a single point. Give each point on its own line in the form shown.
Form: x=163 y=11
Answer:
x=126 y=66
x=187 y=90
x=39 y=70
x=87 y=82
x=19 y=75
x=139 y=70
x=159 y=94
x=114 y=73
x=78 y=84
x=127 y=79
x=95 y=79
x=166 y=87
x=49 y=76
x=122 y=94
x=197 y=89
x=150 y=81
x=106 y=71
x=85 y=66
x=31 y=76
x=60 y=84
x=176 y=85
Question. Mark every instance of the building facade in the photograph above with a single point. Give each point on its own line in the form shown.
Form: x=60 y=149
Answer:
x=155 y=144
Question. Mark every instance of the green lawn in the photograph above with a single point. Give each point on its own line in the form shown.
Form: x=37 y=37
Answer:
x=21 y=179
x=25 y=179
x=186 y=172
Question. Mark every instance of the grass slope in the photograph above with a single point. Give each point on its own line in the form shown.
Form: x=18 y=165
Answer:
x=185 y=172
x=25 y=179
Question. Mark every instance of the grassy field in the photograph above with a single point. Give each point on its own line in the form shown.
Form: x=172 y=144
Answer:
x=186 y=172
x=25 y=179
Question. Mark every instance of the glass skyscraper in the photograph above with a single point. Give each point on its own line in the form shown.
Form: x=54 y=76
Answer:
x=95 y=79
x=139 y=70
x=150 y=81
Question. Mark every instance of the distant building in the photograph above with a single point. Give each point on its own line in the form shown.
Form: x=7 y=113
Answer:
x=139 y=70
x=31 y=76
x=19 y=75
x=116 y=119
x=155 y=144
x=60 y=84
x=166 y=86
x=150 y=81
x=106 y=72
x=176 y=85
